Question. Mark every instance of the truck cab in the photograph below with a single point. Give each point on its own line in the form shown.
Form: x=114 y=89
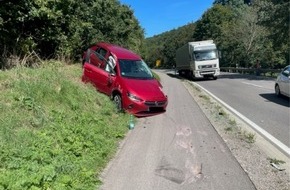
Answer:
x=198 y=59
x=204 y=59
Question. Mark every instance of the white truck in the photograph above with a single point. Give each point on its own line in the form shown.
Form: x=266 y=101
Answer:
x=198 y=59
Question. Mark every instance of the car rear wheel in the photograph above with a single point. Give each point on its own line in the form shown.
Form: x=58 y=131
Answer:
x=277 y=90
x=118 y=102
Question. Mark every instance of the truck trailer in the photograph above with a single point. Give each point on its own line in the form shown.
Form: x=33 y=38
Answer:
x=198 y=59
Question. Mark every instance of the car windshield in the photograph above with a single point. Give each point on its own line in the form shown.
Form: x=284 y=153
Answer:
x=205 y=55
x=135 y=69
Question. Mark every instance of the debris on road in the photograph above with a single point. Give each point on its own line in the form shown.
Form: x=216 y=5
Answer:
x=277 y=167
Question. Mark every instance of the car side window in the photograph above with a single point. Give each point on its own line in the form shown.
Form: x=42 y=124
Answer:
x=100 y=54
x=286 y=72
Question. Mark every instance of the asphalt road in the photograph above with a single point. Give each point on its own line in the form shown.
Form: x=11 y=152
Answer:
x=254 y=97
x=177 y=150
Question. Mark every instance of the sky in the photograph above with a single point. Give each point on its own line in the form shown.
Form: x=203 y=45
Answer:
x=158 y=16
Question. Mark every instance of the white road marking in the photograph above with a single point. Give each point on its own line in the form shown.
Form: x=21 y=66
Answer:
x=253 y=84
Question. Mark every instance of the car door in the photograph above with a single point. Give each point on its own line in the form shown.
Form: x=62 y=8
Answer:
x=91 y=74
x=107 y=77
x=97 y=72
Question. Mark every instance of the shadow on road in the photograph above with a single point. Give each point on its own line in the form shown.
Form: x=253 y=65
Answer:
x=243 y=76
x=221 y=76
x=281 y=100
x=174 y=75
x=187 y=78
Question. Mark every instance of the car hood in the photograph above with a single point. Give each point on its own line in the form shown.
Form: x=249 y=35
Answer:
x=149 y=89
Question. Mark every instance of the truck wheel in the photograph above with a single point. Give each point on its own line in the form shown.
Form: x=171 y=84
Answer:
x=180 y=73
x=192 y=76
x=214 y=78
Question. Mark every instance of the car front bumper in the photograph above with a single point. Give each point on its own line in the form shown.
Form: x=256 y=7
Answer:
x=145 y=108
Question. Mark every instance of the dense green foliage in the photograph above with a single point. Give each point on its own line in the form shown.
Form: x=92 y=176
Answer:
x=64 y=28
x=55 y=131
x=245 y=32
x=163 y=47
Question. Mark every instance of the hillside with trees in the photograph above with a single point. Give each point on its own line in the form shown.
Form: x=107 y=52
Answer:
x=62 y=29
x=163 y=47
x=245 y=31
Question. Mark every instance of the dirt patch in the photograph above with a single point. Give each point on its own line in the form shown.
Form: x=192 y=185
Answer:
x=266 y=167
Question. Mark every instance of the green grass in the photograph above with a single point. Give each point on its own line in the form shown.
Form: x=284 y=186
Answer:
x=247 y=136
x=250 y=137
x=55 y=131
x=156 y=76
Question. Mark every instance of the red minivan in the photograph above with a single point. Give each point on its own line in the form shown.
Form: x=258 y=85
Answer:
x=125 y=77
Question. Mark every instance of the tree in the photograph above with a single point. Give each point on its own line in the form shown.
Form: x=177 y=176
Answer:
x=234 y=26
x=249 y=46
x=233 y=3
x=213 y=25
x=64 y=28
x=163 y=47
x=274 y=15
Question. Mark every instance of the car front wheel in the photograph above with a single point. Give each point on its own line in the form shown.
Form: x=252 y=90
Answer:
x=277 y=90
x=118 y=102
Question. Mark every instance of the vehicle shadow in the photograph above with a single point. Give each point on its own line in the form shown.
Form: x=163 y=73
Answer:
x=172 y=75
x=243 y=76
x=188 y=78
x=177 y=76
x=281 y=100
x=223 y=75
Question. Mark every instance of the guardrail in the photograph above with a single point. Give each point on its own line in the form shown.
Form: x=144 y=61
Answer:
x=264 y=72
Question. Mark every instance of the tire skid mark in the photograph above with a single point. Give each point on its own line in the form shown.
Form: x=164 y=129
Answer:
x=167 y=171
x=191 y=170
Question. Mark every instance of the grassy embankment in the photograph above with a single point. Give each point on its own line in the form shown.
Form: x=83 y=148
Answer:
x=55 y=132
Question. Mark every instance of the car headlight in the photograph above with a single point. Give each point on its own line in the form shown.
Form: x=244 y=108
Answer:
x=134 y=97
